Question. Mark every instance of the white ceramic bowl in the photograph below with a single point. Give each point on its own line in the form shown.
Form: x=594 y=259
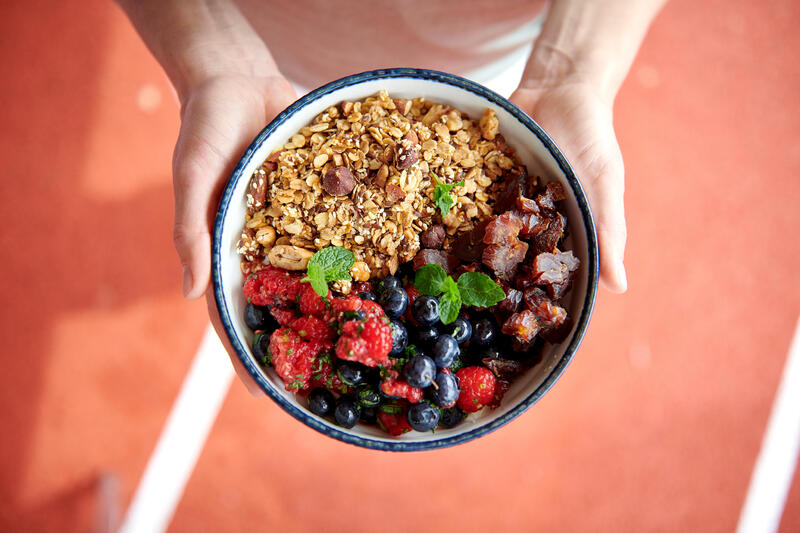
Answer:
x=537 y=151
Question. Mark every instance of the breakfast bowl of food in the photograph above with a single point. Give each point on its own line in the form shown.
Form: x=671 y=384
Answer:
x=404 y=260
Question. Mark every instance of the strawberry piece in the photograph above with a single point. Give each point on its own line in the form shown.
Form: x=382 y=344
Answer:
x=323 y=375
x=343 y=305
x=292 y=358
x=284 y=317
x=392 y=419
x=368 y=342
x=312 y=329
x=272 y=286
x=395 y=388
x=477 y=385
x=312 y=303
x=372 y=309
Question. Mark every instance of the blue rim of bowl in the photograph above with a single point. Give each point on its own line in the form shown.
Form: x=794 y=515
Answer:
x=400 y=445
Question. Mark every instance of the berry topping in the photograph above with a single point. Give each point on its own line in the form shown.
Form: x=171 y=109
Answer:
x=460 y=330
x=392 y=418
x=394 y=302
x=272 y=286
x=399 y=337
x=292 y=358
x=367 y=396
x=394 y=388
x=483 y=332
x=257 y=317
x=311 y=303
x=346 y=412
x=419 y=371
x=427 y=335
x=477 y=388
x=445 y=351
x=367 y=342
x=422 y=416
x=451 y=417
x=310 y=328
x=351 y=373
x=321 y=402
x=446 y=391
x=390 y=282
x=425 y=310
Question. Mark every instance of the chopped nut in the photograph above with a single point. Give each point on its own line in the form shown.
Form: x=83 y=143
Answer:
x=360 y=271
x=338 y=181
x=289 y=257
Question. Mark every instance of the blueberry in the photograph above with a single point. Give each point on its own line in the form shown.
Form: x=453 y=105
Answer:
x=451 y=417
x=445 y=351
x=321 y=402
x=491 y=353
x=460 y=330
x=351 y=373
x=261 y=348
x=390 y=282
x=426 y=335
x=420 y=371
x=346 y=412
x=368 y=296
x=369 y=415
x=447 y=392
x=394 y=302
x=425 y=310
x=257 y=316
x=367 y=396
x=399 y=337
x=483 y=333
x=422 y=416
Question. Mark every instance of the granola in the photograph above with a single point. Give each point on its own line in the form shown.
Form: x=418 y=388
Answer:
x=361 y=176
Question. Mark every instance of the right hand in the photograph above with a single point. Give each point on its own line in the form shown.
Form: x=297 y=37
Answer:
x=219 y=119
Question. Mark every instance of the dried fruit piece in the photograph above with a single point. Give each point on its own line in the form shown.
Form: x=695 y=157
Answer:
x=338 y=181
x=512 y=302
x=503 y=368
x=555 y=272
x=432 y=257
x=406 y=151
x=522 y=325
x=552 y=193
x=469 y=245
x=503 y=229
x=548 y=234
x=433 y=237
x=504 y=257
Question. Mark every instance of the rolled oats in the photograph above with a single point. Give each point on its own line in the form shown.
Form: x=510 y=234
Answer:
x=391 y=148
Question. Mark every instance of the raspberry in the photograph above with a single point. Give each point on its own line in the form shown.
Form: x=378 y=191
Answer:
x=292 y=358
x=323 y=375
x=343 y=305
x=392 y=418
x=395 y=388
x=312 y=303
x=372 y=309
x=363 y=286
x=477 y=385
x=412 y=295
x=284 y=317
x=272 y=286
x=312 y=329
x=367 y=342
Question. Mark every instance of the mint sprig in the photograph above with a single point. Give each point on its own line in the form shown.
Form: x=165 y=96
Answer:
x=441 y=194
x=473 y=288
x=329 y=264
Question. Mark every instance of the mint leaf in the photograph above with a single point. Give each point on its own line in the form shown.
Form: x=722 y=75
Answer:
x=316 y=275
x=329 y=264
x=441 y=195
x=479 y=290
x=450 y=301
x=335 y=261
x=429 y=278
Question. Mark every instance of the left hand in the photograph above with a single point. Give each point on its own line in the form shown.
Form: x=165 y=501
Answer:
x=580 y=122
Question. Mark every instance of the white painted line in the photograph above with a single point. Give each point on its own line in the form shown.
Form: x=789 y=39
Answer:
x=775 y=465
x=182 y=439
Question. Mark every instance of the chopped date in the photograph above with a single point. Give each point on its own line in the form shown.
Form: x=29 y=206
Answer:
x=501 y=386
x=549 y=315
x=432 y=257
x=503 y=368
x=523 y=326
x=532 y=224
x=517 y=185
x=433 y=237
x=503 y=229
x=552 y=193
x=504 y=257
x=469 y=245
x=526 y=205
x=548 y=238
x=512 y=302
x=534 y=297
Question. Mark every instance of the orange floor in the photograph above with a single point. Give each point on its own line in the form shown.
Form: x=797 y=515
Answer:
x=654 y=427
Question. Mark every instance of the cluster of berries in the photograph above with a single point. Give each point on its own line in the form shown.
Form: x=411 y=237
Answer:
x=379 y=356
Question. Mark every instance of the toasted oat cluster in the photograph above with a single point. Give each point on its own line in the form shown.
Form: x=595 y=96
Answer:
x=361 y=176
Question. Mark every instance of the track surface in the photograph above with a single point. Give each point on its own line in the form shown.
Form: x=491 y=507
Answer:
x=655 y=426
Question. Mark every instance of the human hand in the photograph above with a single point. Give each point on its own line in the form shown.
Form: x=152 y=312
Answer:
x=580 y=122
x=219 y=118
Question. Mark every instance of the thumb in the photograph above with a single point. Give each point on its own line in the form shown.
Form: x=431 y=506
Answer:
x=218 y=121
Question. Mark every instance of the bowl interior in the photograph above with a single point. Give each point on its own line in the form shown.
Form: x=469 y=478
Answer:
x=537 y=152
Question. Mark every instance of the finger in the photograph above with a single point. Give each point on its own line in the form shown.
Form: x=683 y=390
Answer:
x=215 y=129
x=606 y=196
x=241 y=371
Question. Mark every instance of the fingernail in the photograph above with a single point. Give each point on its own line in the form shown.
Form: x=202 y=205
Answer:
x=187 y=281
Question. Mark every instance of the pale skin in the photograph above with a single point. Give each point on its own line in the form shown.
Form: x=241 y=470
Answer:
x=230 y=87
